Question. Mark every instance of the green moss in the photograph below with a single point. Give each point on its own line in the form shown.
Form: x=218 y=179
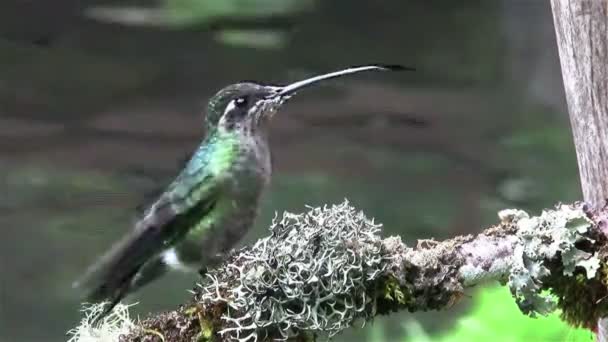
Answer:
x=603 y=273
x=581 y=300
x=206 y=324
x=391 y=296
x=207 y=331
x=208 y=318
x=393 y=292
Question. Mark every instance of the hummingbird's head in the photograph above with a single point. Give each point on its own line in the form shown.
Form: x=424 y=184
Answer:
x=247 y=106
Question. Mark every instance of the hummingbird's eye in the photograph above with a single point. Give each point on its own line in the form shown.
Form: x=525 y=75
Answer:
x=241 y=102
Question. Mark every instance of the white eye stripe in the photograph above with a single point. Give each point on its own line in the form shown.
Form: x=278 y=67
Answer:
x=230 y=107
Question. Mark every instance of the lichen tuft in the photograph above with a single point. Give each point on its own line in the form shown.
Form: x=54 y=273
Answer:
x=109 y=329
x=309 y=275
x=554 y=235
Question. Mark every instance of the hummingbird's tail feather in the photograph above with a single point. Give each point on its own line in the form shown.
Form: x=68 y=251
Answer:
x=112 y=277
x=135 y=259
x=110 y=271
x=121 y=270
x=137 y=279
x=115 y=269
x=109 y=299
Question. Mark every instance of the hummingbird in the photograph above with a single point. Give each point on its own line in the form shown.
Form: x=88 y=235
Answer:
x=212 y=203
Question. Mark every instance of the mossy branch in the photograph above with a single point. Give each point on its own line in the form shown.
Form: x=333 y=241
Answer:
x=324 y=271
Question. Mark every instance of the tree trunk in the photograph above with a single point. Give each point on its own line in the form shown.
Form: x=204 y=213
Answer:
x=581 y=28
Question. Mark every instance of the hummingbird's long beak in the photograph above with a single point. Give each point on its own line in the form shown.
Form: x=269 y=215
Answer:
x=290 y=89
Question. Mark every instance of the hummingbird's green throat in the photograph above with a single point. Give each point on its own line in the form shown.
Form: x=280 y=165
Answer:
x=212 y=203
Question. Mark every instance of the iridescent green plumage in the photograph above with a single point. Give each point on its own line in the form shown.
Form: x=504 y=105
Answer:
x=211 y=204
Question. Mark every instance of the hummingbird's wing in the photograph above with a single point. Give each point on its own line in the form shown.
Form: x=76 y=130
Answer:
x=164 y=222
x=151 y=196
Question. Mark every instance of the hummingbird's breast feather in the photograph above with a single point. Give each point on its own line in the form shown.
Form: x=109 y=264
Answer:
x=242 y=169
x=234 y=156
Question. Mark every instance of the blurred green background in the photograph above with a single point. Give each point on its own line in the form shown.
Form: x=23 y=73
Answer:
x=99 y=100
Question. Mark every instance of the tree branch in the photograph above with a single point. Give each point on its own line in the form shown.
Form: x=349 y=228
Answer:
x=321 y=272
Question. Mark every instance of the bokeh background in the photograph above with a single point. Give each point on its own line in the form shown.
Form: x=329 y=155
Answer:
x=100 y=100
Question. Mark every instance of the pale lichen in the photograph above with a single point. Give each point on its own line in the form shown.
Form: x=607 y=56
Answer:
x=554 y=235
x=310 y=274
x=109 y=329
